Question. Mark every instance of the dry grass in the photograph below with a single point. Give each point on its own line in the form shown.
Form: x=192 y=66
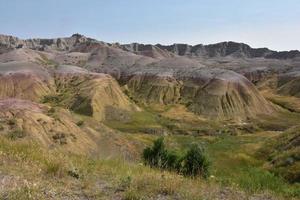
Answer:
x=44 y=175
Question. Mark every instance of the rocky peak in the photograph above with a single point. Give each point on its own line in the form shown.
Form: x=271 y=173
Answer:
x=222 y=49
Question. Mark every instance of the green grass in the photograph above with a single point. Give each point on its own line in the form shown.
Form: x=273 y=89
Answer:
x=148 y=119
x=233 y=157
x=235 y=163
x=103 y=179
x=50 y=168
x=289 y=103
x=283 y=154
x=280 y=121
x=139 y=122
x=46 y=61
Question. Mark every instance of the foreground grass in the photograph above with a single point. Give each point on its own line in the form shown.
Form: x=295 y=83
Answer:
x=29 y=172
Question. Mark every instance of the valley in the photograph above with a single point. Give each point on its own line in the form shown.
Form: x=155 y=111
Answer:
x=76 y=114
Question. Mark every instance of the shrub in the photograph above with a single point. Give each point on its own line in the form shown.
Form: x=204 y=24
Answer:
x=172 y=161
x=194 y=163
x=157 y=155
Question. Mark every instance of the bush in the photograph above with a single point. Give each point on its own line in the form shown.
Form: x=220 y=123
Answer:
x=194 y=163
x=157 y=155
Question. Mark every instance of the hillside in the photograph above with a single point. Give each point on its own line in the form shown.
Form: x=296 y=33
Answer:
x=79 y=112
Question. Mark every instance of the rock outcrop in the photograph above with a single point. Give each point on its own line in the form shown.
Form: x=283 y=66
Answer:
x=223 y=49
x=200 y=77
x=92 y=94
x=26 y=119
x=289 y=83
x=57 y=128
x=24 y=80
x=216 y=94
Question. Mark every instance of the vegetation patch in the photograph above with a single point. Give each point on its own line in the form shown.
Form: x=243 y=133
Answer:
x=60 y=138
x=16 y=134
x=193 y=163
x=283 y=155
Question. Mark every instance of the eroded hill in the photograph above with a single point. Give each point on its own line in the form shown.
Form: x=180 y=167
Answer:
x=85 y=97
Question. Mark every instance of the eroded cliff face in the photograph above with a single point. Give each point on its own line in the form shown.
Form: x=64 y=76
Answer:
x=222 y=49
x=26 y=119
x=155 y=89
x=92 y=94
x=201 y=77
x=289 y=83
x=60 y=44
x=24 y=80
x=217 y=94
x=57 y=128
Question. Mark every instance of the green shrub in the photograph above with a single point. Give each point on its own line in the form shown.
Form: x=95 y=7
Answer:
x=193 y=163
x=172 y=161
x=157 y=155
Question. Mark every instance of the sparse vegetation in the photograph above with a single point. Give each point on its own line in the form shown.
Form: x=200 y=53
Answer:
x=16 y=134
x=283 y=155
x=12 y=122
x=80 y=123
x=60 y=138
x=193 y=163
x=46 y=61
x=71 y=133
x=52 y=99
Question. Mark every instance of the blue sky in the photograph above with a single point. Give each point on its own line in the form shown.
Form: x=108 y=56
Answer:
x=260 y=23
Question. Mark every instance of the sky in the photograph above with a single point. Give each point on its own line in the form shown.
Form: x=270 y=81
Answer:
x=260 y=23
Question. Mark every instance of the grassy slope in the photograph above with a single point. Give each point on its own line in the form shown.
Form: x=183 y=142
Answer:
x=237 y=173
x=234 y=157
x=29 y=172
x=283 y=154
x=235 y=163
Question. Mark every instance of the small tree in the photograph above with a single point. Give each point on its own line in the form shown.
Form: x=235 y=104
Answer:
x=195 y=162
